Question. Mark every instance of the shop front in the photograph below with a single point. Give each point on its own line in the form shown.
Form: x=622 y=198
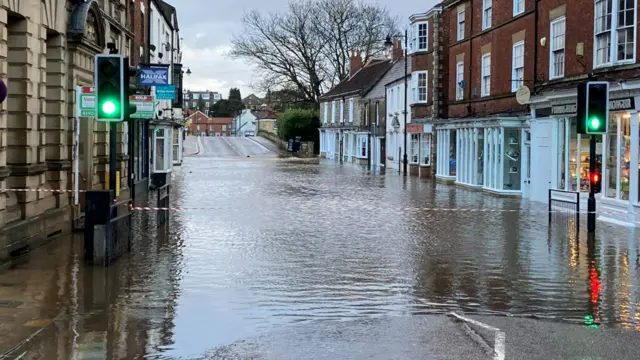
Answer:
x=484 y=155
x=561 y=155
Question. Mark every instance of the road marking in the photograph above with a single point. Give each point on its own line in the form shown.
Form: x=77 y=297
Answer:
x=499 y=345
x=232 y=147
x=262 y=146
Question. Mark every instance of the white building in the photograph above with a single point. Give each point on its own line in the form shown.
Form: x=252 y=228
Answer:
x=246 y=123
x=165 y=50
x=395 y=120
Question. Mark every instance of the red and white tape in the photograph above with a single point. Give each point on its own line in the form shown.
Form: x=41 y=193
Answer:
x=43 y=190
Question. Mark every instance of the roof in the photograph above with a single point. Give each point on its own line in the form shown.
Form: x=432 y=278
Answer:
x=167 y=12
x=221 y=120
x=362 y=80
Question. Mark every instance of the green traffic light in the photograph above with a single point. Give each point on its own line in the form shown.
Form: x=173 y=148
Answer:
x=109 y=107
x=594 y=123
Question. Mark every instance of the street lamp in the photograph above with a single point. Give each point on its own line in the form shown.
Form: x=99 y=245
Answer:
x=389 y=45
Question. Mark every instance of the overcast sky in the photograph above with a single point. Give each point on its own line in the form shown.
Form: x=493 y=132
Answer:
x=206 y=27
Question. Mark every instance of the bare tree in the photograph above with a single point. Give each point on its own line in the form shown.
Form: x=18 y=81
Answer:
x=307 y=47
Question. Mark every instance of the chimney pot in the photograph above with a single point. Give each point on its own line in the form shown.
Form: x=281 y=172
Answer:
x=355 y=62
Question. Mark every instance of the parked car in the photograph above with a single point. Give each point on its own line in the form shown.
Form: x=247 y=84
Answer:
x=249 y=133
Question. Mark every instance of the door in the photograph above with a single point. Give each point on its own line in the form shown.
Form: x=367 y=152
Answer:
x=542 y=160
x=383 y=153
x=526 y=166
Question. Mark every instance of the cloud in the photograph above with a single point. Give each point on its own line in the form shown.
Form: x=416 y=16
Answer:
x=200 y=35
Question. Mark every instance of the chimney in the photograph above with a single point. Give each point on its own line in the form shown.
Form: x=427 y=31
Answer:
x=355 y=62
x=397 y=52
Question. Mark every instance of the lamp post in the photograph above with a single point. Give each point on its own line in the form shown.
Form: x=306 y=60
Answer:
x=389 y=44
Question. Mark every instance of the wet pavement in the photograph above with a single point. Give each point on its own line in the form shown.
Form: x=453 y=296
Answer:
x=276 y=259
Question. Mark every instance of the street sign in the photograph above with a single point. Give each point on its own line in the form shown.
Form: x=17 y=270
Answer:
x=153 y=76
x=166 y=92
x=86 y=106
x=145 y=106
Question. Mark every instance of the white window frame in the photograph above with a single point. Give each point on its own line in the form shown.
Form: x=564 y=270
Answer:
x=613 y=35
x=461 y=21
x=459 y=80
x=360 y=144
x=350 y=109
x=518 y=7
x=559 y=50
x=487 y=14
x=421 y=40
x=515 y=83
x=392 y=101
x=485 y=78
x=414 y=147
x=326 y=112
x=417 y=88
x=342 y=110
x=425 y=149
x=333 y=111
x=377 y=113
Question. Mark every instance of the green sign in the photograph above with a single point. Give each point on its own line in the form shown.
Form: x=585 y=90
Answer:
x=145 y=106
x=87 y=102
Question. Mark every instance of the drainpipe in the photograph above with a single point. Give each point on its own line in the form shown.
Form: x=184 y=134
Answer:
x=535 y=47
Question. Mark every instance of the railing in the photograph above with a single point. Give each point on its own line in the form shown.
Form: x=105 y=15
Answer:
x=564 y=208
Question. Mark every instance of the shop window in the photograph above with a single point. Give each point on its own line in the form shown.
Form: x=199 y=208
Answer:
x=452 y=152
x=512 y=160
x=578 y=159
x=362 y=146
x=618 y=157
x=162 y=150
x=561 y=154
x=480 y=158
x=612 y=158
x=415 y=148
x=425 y=149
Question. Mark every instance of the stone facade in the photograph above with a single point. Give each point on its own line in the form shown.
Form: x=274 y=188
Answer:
x=47 y=48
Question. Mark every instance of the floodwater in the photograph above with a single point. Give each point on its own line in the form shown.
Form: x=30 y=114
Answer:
x=262 y=242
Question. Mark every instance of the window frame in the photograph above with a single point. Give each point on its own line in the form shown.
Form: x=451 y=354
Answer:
x=459 y=89
x=326 y=112
x=487 y=14
x=417 y=37
x=414 y=147
x=423 y=142
x=485 y=77
x=351 y=109
x=359 y=144
x=613 y=36
x=377 y=113
x=516 y=10
x=461 y=23
x=333 y=111
x=515 y=84
x=342 y=110
x=552 y=51
x=416 y=86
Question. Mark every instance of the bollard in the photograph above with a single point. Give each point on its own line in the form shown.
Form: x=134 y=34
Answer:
x=98 y=213
x=162 y=216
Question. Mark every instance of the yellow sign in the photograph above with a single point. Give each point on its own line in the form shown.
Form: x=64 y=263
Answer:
x=106 y=182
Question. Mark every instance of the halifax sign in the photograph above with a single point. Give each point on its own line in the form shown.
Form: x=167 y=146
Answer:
x=152 y=76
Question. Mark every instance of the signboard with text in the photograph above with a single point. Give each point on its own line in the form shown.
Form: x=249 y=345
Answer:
x=166 y=92
x=145 y=106
x=153 y=76
x=86 y=106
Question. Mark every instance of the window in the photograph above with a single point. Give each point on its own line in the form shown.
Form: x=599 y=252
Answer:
x=333 y=111
x=486 y=13
x=362 y=146
x=351 y=110
x=460 y=80
x=377 y=113
x=517 y=75
x=415 y=148
x=425 y=149
x=461 y=15
x=326 y=112
x=421 y=39
x=485 y=86
x=398 y=89
x=518 y=7
x=556 y=62
x=420 y=86
x=392 y=101
x=342 y=110
x=613 y=47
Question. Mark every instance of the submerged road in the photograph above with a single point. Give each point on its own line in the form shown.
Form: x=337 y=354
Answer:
x=222 y=146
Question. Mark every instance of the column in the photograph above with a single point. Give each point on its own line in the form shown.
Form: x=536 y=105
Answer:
x=4 y=171
x=25 y=153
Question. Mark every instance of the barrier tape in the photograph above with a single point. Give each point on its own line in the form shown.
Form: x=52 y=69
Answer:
x=43 y=190
x=179 y=209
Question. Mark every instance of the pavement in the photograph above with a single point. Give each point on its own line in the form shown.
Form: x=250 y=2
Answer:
x=192 y=145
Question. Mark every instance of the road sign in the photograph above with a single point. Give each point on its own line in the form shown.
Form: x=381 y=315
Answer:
x=145 y=106
x=86 y=105
x=166 y=92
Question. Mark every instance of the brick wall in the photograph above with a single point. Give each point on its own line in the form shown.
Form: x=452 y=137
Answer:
x=140 y=26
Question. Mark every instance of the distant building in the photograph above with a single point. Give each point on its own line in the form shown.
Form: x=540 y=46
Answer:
x=252 y=102
x=191 y=99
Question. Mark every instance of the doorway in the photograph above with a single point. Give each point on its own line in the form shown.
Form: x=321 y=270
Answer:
x=383 y=153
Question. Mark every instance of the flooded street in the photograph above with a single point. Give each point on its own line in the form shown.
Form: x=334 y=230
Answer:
x=302 y=251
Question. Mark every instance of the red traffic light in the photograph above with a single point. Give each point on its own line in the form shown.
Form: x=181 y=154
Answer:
x=595 y=178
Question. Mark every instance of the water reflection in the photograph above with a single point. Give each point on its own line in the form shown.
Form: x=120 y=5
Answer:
x=275 y=242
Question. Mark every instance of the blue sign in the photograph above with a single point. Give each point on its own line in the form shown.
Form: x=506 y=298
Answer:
x=151 y=76
x=166 y=92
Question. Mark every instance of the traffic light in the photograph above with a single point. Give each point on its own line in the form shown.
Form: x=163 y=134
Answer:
x=595 y=180
x=109 y=79
x=593 y=107
x=129 y=88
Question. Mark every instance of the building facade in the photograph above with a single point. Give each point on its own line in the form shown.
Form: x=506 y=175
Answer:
x=344 y=134
x=427 y=90
x=490 y=48
x=200 y=100
x=246 y=123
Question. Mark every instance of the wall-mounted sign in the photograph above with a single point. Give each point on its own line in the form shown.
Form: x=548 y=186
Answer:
x=564 y=109
x=415 y=128
x=86 y=105
x=152 y=76
x=166 y=92
x=622 y=104
x=145 y=106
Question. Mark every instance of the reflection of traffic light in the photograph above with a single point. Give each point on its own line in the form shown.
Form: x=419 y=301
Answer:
x=109 y=83
x=592 y=318
x=593 y=107
x=595 y=181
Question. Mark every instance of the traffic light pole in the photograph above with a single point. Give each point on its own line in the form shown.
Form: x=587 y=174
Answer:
x=591 y=204
x=113 y=137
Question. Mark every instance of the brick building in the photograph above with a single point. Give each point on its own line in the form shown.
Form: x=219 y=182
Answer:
x=201 y=124
x=140 y=25
x=427 y=88
x=575 y=40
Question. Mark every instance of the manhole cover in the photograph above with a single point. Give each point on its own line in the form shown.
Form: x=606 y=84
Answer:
x=9 y=304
